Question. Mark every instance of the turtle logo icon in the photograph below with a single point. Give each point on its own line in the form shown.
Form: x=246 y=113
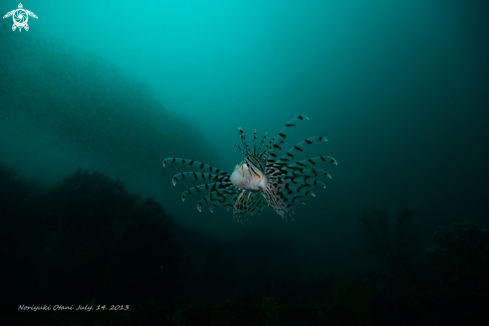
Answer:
x=20 y=17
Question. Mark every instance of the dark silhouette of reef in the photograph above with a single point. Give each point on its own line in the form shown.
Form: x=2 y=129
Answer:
x=85 y=241
x=450 y=290
x=461 y=255
x=394 y=244
x=89 y=242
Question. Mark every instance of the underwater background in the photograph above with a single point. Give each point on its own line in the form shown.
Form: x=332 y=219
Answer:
x=96 y=94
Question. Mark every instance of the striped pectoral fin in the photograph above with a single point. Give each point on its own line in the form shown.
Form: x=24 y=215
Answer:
x=305 y=188
x=288 y=202
x=219 y=197
x=299 y=148
x=307 y=163
x=283 y=167
x=298 y=200
x=295 y=194
x=297 y=167
x=309 y=173
x=200 y=176
x=318 y=183
x=276 y=169
x=297 y=176
x=288 y=184
x=199 y=165
x=206 y=188
x=292 y=123
x=277 y=163
x=277 y=145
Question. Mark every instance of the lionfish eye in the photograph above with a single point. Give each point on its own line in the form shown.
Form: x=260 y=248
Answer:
x=247 y=165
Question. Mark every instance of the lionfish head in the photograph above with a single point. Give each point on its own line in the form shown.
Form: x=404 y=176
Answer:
x=247 y=176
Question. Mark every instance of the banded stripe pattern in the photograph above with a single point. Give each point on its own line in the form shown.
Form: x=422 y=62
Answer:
x=288 y=180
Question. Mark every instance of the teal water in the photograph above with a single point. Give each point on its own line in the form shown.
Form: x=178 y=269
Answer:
x=399 y=89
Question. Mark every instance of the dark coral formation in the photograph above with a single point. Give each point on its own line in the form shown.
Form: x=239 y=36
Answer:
x=461 y=255
x=86 y=240
x=395 y=244
x=89 y=242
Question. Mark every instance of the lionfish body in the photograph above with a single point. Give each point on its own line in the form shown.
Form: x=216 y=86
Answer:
x=261 y=179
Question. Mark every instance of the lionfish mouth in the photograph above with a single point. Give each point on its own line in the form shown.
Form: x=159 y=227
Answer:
x=261 y=179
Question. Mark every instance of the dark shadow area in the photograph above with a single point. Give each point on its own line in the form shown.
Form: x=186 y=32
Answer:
x=87 y=243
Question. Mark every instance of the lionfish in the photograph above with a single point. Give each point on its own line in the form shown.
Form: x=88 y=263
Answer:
x=261 y=179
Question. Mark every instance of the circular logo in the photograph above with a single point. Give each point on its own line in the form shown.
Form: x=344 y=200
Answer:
x=20 y=17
